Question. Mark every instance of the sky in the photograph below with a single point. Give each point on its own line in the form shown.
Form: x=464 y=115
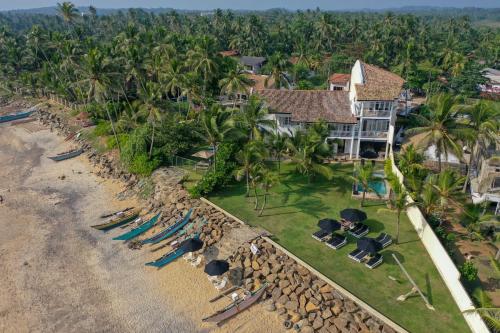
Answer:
x=253 y=4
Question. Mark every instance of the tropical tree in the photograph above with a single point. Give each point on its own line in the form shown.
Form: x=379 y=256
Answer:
x=278 y=65
x=252 y=153
x=255 y=175
x=236 y=82
x=278 y=144
x=68 y=11
x=267 y=180
x=440 y=127
x=483 y=119
x=448 y=186
x=253 y=118
x=410 y=160
x=399 y=202
x=149 y=98
x=364 y=175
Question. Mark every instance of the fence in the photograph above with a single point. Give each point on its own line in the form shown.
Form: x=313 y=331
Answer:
x=198 y=167
x=445 y=266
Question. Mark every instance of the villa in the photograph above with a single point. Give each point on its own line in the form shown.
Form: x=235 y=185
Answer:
x=360 y=109
x=485 y=179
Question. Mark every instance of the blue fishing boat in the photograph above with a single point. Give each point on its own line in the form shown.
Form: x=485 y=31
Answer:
x=15 y=116
x=139 y=230
x=170 y=256
x=66 y=155
x=169 y=231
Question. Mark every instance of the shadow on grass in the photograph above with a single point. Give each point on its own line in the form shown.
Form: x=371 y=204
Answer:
x=428 y=288
x=375 y=226
x=389 y=259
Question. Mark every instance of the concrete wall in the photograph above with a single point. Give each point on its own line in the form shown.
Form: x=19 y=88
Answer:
x=446 y=267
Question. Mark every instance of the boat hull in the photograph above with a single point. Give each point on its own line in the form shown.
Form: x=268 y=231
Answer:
x=116 y=222
x=67 y=156
x=11 y=117
x=166 y=259
x=169 y=231
x=139 y=230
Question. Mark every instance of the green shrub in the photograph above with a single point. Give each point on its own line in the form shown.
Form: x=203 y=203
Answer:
x=468 y=271
x=142 y=165
x=222 y=174
x=103 y=128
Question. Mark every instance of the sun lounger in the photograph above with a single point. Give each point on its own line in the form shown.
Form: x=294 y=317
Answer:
x=375 y=261
x=336 y=242
x=320 y=235
x=384 y=239
x=359 y=230
x=358 y=255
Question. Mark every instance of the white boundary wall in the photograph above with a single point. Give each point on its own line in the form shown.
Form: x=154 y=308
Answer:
x=446 y=267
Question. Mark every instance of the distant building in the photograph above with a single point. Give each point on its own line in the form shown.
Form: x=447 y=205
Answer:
x=252 y=64
x=493 y=84
x=485 y=177
x=338 y=81
x=361 y=114
x=259 y=82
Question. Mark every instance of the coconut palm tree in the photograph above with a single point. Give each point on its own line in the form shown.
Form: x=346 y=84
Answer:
x=410 y=160
x=68 y=11
x=278 y=144
x=255 y=175
x=440 y=127
x=399 y=202
x=235 y=83
x=252 y=153
x=253 y=118
x=447 y=185
x=278 y=65
x=483 y=119
x=364 y=175
x=267 y=180
x=149 y=97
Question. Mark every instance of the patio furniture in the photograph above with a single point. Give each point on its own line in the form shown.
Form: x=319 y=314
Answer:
x=358 y=255
x=369 y=245
x=321 y=235
x=336 y=242
x=353 y=215
x=374 y=261
x=329 y=225
x=384 y=239
x=359 y=230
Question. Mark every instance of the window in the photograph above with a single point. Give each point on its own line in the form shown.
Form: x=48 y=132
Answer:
x=285 y=121
x=337 y=88
x=376 y=125
x=379 y=106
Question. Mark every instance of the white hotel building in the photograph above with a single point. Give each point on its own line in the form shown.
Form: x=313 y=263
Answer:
x=360 y=109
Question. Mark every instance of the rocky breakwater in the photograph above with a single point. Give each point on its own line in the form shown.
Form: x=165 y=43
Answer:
x=303 y=301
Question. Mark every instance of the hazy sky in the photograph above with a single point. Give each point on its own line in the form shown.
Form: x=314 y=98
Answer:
x=253 y=4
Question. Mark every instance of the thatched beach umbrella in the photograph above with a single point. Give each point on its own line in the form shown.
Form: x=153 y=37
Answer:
x=369 y=245
x=216 y=267
x=353 y=215
x=329 y=225
x=191 y=245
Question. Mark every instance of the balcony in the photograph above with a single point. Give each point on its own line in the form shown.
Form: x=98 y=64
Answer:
x=340 y=134
x=374 y=134
x=376 y=113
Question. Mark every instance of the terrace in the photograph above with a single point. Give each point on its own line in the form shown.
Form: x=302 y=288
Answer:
x=294 y=208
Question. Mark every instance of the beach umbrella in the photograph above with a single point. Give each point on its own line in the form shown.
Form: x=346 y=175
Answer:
x=353 y=215
x=370 y=154
x=369 y=245
x=329 y=225
x=191 y=245
x=216 y=267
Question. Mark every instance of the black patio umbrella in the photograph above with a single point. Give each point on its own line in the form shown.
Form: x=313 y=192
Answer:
x=369 y=245
x=353 y=215
x=191 y=245
x=329 y=225
x=369 y=154
x=216 y=267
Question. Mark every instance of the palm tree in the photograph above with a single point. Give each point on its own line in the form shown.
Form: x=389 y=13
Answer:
x=267 y=180
x=252 y=153
x=399 y=202
x=364 y=175
x=278 y=144
x=255 y=175
x=474 y=218
x=253 y=118
x=236 y=82
x=278 y=65
x=308 y=150
x=149 y=97
x=217 y=125
x=483 y=118
x=410 y=160
x=202 y=60
x=440 y=127
x=447 y=185
x=68 y=11
x=173 y=78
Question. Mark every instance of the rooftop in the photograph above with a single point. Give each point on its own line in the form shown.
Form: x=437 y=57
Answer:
x=229 y=53
x=339 y=78
x=252 y=61
x=379 y=84
x=492 y=74
x=310 y=105
x=259 y=81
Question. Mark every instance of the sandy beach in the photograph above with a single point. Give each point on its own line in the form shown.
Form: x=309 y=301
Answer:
x=60 y=275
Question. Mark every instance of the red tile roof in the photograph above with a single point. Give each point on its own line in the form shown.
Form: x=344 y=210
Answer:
x=379 y=84
x=339 y=78
x=310 y=105
x=230 y=53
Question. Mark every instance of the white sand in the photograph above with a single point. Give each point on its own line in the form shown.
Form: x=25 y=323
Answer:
x=60 y=275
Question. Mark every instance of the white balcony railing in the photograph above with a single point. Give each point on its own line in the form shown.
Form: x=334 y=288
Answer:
x=376 y=113
x=340 y=134
x=374 y=134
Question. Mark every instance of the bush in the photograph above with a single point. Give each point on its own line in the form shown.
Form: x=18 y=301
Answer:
x=222 y=174
x=142 y=165
x=468 y=271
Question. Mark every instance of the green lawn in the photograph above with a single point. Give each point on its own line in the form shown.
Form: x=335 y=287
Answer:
x=291 y=216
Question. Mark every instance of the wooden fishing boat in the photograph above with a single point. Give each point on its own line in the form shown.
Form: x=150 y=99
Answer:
x=15 y=116
x=118 y=220
x=120 y=212
x=169 y=256
x=236 y=307
x=139 y=230
x=21 y=121
x=67 y=155
x=168 y=232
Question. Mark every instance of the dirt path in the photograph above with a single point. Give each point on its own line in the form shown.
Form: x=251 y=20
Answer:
x=59 y=275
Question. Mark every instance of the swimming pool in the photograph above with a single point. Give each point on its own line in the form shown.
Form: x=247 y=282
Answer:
x=378 y=186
